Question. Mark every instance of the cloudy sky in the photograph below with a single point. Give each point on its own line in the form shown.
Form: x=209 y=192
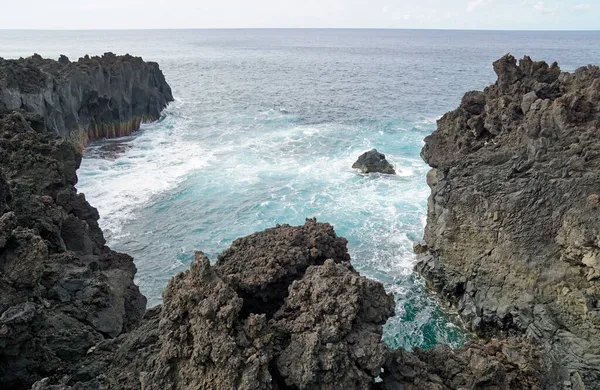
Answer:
x=429 y=14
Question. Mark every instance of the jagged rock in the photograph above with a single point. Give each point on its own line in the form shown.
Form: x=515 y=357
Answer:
x=281 y=309
x=97 y=97
x=61 y=289
x=325 y=334
x=512 y=218
x=262 y=266
x=332 y=324
x=205 y=342
x=373 y=161
x=511 y=240
x=496 y=364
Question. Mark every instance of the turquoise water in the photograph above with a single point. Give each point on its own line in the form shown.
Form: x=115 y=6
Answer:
x=264 y=130
x=263 y=171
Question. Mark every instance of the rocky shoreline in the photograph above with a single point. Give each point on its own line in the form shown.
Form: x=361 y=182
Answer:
x=510 y=241
x=512 y=224
x=62 y=289
x=96 y=97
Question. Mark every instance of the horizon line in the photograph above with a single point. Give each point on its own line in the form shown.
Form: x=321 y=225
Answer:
x=294 y=28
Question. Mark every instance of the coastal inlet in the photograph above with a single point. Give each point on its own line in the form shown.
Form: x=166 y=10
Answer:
x=181 y=185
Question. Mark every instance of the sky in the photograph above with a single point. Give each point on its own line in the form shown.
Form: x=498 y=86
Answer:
x=402 y=14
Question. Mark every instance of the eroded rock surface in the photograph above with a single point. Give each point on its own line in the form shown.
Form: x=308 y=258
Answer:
x=61 y=289
x=512 y=227
x=95 y=97
x=262 y=266
x=326 y=332
x=329 y=330
x=494 y=364
x=373 y=161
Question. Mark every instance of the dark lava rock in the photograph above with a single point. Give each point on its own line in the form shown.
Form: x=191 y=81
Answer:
x=262 y=266
x=373 y=161
x=326 y=332
x=495 y=364
x=95 y=97
x=61 y=289
x=513 y=220
x=204 y=340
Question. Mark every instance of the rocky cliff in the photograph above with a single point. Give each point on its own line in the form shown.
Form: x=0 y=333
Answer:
x=95 y=97
x=513 y=227
x=267 y=315
x=62 y=290
x=511 y=241
x=280 y=309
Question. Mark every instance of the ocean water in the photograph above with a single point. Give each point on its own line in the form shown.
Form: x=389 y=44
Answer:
x=264 y=129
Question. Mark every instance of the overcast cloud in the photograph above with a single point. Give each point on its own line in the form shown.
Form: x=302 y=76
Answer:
x=429 y=14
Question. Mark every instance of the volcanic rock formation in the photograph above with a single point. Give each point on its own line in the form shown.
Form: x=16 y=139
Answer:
x=97 y=97
x=513 y=221
x=373 y=161
x=325 y=332
x=494 y=364
x=511 y=240
x=280 y=309
x=61 y=289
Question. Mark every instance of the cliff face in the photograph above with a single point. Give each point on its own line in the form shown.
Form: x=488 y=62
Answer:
x=97 y=97
x=61 y=289
x=513 y=221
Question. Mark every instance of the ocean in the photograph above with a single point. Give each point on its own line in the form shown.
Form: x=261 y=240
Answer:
x=264 y=129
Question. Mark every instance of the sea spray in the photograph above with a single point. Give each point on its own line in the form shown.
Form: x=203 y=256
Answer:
x=169 y=192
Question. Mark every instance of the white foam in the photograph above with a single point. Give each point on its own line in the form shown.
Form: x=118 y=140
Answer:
x=156 y=161
x=284 y=160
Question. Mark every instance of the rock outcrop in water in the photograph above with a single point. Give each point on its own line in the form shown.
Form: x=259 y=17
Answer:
x=513 y=221
x=62 y=290
x=373 y=161
x=95 y=97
